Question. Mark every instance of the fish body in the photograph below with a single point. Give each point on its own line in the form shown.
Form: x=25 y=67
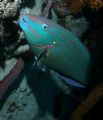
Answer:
x=64 y=52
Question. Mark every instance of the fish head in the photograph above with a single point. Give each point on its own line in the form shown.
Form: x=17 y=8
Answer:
x=37 y=30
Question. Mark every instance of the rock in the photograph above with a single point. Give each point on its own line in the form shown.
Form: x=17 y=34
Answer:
x=9 y=64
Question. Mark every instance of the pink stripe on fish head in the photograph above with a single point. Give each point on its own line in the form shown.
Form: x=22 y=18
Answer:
x=39 y=19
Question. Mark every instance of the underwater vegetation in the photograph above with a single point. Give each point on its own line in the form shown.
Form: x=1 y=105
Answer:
x=31 y=87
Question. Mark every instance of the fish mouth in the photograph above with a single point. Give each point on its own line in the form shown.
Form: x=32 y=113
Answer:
x=21 y=21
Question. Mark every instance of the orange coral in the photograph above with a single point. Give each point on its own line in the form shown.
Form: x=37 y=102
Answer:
x=76 y=5
x=65 y=7
x=94 y=4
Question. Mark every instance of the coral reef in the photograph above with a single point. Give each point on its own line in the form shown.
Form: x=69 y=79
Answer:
x=65 y=11
x=31 y=94
x=10 y=9
x=75 y=6
x=94 y=4
x=8 y=36
x=78 y=26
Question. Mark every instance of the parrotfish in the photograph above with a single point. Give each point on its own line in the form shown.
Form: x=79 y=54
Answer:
x=60 y=49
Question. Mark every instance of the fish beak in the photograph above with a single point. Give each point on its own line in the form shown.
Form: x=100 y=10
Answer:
x=22 y=18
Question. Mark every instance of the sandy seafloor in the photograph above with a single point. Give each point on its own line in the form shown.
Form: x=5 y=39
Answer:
x=35 y=95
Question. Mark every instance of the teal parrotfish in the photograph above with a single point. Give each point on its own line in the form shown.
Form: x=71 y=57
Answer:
x=62 y=50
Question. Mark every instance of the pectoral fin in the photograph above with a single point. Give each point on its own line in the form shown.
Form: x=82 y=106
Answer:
x=41 y=60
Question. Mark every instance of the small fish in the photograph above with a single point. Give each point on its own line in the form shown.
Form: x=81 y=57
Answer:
x=64 y=52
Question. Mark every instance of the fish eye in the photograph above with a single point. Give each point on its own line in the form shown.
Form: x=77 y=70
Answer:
x=44 y=26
